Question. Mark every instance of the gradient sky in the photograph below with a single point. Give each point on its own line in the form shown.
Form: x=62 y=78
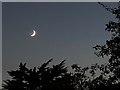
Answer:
x=64 y=31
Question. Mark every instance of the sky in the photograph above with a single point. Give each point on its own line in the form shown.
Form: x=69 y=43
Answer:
x=64 y=31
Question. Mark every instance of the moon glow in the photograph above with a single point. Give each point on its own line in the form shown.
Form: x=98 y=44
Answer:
x=33 y=33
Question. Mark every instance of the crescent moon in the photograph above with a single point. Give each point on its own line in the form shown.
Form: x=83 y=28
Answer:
x=33 y=34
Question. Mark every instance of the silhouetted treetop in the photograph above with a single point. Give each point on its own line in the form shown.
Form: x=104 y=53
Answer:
x=112 y=49
x=41 y=78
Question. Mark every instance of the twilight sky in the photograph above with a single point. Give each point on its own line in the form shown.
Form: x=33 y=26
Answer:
x=64 y=31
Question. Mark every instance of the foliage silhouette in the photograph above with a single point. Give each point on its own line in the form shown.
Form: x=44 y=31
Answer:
x=41 y=78
x=111 y=49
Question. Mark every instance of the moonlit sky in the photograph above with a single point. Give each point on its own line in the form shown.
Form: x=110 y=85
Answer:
x=64 y=31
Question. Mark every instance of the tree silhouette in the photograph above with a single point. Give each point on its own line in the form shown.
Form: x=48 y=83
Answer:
x=111 y=49
x=109 y=74
x=80 y=77
x=41 y=78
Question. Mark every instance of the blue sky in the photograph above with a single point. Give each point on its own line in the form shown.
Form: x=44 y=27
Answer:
x=64 y=31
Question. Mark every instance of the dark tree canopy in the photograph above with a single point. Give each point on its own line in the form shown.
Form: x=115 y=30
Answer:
x=41 y=78
x=111 y=49
x=112 y=46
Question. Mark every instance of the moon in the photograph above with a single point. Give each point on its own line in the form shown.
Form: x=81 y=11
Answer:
x=33 y=33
